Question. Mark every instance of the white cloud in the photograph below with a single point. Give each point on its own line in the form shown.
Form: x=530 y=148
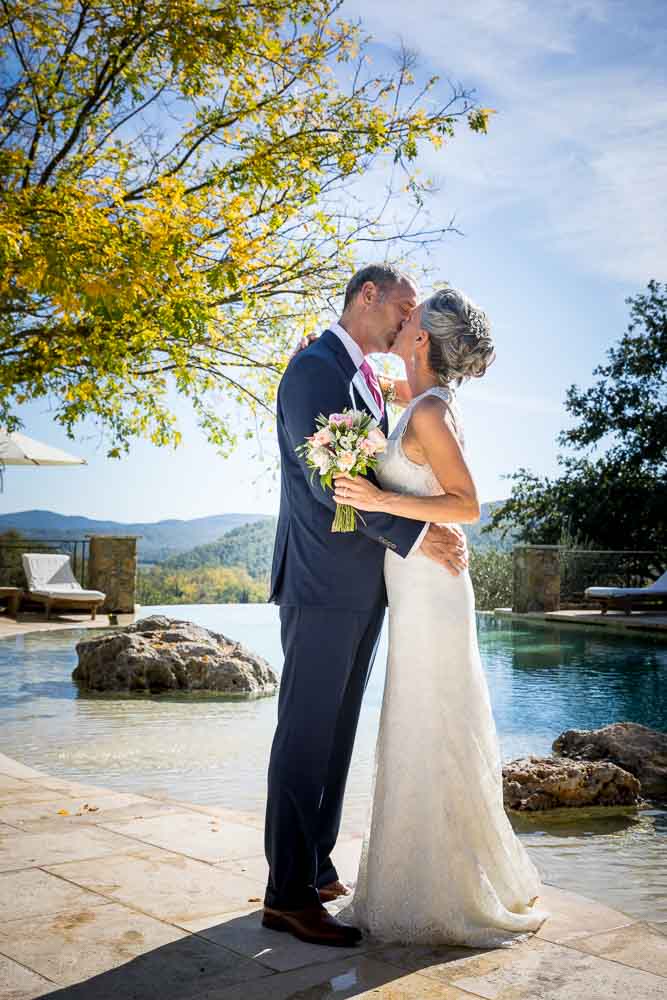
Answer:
x=579 y=147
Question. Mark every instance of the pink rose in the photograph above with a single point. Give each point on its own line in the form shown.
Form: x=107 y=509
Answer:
x=322 y=437
x=337 y=419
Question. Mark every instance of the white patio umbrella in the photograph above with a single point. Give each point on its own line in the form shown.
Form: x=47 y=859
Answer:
x=19 y=449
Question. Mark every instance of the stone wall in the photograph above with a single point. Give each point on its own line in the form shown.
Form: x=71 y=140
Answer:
x=112 y=568
x=536 y=578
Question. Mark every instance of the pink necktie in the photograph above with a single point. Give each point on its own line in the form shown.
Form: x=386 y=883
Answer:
x=371 y=381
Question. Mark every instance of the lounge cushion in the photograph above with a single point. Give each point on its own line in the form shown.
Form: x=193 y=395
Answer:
x=70 y=594
x=656 y=589
x=50 y=575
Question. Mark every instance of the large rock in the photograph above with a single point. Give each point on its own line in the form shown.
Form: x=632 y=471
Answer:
x=534 y=783
x=160 y=654
x=637 y=749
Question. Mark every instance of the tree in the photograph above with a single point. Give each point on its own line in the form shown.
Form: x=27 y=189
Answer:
x=491 y=575
x=613 y=491
x=207 y=585
x=249 y=546
x=176 y=197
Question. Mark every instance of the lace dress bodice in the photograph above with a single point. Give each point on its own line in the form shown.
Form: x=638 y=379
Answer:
x=395 y=471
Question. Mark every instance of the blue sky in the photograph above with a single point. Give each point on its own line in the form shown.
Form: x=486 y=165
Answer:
x=564 y=210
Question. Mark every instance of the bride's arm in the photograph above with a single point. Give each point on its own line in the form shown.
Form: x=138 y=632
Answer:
x=434 y=432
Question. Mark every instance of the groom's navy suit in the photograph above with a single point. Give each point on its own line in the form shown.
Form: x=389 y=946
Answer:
x=330 y=588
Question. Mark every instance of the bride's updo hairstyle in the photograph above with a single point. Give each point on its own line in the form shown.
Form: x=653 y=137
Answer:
x=460 y=343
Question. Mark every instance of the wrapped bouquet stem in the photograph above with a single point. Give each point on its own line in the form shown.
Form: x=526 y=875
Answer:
x=346 y=443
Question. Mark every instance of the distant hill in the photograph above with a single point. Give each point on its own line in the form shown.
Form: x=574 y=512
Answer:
x=250 y=546
x=159 y=539
x=219 y=540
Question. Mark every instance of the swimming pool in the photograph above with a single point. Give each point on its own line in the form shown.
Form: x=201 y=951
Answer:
x=542 y=680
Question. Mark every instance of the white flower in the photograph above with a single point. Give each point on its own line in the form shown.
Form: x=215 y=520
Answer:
x=321 y=459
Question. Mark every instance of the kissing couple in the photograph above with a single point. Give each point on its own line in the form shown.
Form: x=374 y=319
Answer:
x=440 y=861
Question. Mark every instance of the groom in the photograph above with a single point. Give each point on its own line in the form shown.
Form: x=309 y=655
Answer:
x=330 y=588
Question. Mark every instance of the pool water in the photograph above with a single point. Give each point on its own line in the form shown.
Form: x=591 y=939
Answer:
x=542 y=680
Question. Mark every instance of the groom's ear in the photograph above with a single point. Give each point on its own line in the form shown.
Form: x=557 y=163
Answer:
x=368 y=293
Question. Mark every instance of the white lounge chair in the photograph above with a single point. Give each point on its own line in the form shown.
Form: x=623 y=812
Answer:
x=52 y=582
x=626 y=598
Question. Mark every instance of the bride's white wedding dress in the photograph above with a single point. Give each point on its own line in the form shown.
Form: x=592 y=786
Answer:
x=440 y=861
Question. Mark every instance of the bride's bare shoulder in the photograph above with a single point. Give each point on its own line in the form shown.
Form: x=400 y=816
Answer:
x=429 y=410
x=431 y=415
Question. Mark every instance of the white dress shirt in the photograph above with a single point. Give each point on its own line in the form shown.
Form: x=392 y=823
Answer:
x=357 y=355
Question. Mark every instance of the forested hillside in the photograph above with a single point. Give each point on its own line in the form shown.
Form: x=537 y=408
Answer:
x=157 y=540
x=249 y=546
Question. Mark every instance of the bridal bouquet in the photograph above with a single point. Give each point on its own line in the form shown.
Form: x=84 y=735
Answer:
x=346 y=443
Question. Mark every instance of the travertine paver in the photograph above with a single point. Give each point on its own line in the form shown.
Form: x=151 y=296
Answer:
x=197 y=835
x=167 y=885
x=638 y=945
x=6 y=829
x=29 y=792
x=530 y=970
x=345 y=857
x=36 y=622
x=19 y=849
x=254 y=820
x=68 y=947
x=90 y=901
x=362 y=978
x=9 y=784
x=573 y=917
x=19 y=983
x=15 y=769
x=33 y=892
x=68 y=787
x=243 y=933
x=71 y=947
x=84 y=810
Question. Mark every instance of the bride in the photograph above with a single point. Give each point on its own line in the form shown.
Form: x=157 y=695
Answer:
x=440 y=861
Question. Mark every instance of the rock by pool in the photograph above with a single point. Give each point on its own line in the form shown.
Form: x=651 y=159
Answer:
x=637 y=749
x=160 y=655
x=536 y=783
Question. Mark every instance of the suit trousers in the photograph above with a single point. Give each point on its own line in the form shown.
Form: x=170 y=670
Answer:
x=328 y=654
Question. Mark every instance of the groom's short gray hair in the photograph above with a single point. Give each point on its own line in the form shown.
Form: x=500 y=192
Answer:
x=383 y=276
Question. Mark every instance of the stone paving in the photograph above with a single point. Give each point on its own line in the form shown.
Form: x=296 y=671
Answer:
x=106 y=895
x=642 y=623
x=34 y=621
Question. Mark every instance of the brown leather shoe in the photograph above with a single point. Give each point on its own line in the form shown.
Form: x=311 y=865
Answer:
x=314 y=924
x=334 y=890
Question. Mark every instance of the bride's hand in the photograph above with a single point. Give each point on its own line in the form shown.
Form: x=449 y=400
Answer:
x=358 y=493
x=303 y=344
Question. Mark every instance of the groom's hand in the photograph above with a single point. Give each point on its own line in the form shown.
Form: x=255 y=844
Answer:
x=446 y=544
x=303 y=344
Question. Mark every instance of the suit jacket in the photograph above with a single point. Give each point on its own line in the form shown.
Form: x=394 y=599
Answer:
x=313 y=566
